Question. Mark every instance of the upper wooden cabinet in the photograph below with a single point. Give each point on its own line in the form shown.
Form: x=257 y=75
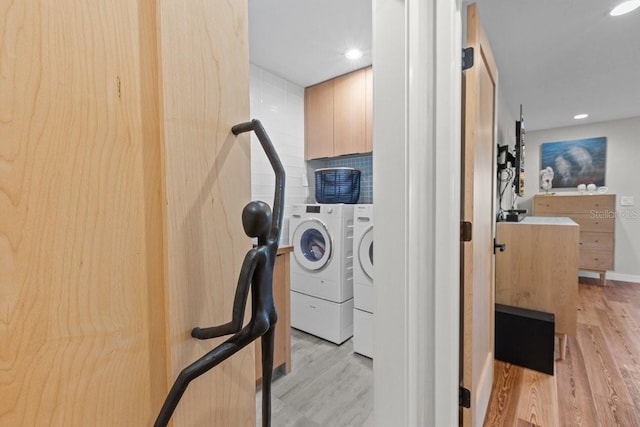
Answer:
x=368 y=105
x=318 y=120
x=338 y=116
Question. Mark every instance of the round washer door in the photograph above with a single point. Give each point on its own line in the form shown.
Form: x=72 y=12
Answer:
x=365 y=252
x=312 y=245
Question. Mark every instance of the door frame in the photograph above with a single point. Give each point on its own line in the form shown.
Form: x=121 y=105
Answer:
x=416 y=169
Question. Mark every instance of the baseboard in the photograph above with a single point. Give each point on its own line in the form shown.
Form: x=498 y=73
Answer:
x=611 y=275
x=633 y=278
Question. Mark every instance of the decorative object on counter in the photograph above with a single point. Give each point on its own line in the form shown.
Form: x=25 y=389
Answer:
x=337 y=185
x=257 y=272
x=546 y=179
x=580 y=161
x=603 y=189
x=591 y=188
x=582 y=188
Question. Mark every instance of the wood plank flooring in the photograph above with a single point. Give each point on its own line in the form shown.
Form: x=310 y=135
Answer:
x=329 y=385
x=598 y=384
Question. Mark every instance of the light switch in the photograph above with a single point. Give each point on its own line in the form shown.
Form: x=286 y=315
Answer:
x=626 y=201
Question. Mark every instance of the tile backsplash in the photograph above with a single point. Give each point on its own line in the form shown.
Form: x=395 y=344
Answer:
x=363 y=162
x=279 y=105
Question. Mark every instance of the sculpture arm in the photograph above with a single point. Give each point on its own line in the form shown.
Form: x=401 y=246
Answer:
x=239 y=302
x=278 y=169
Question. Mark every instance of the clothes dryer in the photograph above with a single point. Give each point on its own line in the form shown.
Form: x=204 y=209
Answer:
x=322 y=270
x=363 y=279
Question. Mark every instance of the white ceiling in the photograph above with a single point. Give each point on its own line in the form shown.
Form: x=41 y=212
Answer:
x=304 y=41
x=557 y=58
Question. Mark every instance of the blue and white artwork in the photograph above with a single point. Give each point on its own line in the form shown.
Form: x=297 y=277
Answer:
x=581 y=161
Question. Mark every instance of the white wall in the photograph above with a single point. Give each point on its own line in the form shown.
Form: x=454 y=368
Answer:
x=416 y=189
x=279 y=105
x=622 y=178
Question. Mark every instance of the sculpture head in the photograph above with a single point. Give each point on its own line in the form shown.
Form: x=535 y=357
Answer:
x=256 y=219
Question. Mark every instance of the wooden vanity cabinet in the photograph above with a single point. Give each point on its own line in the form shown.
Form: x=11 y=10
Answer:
x=539 y=269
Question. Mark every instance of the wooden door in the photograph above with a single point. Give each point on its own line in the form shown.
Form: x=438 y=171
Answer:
x=121 y=192
x=204 y=57
x=478 y=294
x=81 y=283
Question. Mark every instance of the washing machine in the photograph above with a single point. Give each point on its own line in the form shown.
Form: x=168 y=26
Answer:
x=322 y=270
x=363 y=280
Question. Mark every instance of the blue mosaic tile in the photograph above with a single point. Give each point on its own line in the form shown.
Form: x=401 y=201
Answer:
x=362 y=162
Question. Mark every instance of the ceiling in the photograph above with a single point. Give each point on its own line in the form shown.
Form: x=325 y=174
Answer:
x=557 y=58
x=304 y=41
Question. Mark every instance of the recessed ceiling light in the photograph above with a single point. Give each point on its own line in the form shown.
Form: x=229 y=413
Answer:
x=353 y=54
x=580 y=116
x=625 y=7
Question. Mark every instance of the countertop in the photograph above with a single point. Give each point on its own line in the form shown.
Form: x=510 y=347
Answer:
x=544 y=220
x=285 y=249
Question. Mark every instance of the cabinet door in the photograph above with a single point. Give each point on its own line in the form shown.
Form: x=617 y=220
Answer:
x=281 y=296
x=368 y=118
x=349 y=113
x=318 y=120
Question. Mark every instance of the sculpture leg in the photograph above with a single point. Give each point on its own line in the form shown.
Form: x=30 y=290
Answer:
x=197 y=368
x=267 y=373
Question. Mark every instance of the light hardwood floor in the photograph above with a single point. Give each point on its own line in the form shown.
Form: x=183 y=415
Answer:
x=598 y=384
x=329 y=385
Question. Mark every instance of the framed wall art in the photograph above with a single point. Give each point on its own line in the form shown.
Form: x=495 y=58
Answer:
x=579 y=161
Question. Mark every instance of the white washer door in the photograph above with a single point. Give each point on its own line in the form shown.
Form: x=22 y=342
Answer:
x=365 y=252
x=312 y=245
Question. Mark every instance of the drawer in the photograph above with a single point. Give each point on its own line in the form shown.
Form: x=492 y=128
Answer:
x=590 y=240
x=556 y=205
x=594 y=222
x=325 y=319
x=596 y=260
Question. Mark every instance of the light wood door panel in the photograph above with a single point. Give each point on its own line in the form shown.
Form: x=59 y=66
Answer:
x=478 y=293
x=207 y=174
x=349 y=93
x=81 y=281
x=318 y=120
x=103 y=245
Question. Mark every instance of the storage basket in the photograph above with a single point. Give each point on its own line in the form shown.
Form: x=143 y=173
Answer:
x=337 y=185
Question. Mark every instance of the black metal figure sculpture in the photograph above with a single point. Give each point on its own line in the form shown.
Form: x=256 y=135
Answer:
x=257 y=270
